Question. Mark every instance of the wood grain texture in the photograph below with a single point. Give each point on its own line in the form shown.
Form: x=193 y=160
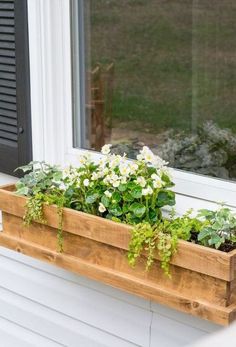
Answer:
x=190 y=256
x=215 y=313
x=203 y=279
x=184 y=281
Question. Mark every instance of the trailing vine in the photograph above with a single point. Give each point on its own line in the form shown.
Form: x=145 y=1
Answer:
x=34 y=209
x=151 y=239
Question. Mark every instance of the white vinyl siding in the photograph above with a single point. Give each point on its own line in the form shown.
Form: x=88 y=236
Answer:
x=53 y=307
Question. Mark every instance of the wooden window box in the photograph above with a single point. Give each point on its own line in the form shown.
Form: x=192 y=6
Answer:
x=203 y=280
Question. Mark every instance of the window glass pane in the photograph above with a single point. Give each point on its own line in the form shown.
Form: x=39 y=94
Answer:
x=162 y=73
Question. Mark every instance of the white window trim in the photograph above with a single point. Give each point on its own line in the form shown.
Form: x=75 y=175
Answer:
x=51 y=104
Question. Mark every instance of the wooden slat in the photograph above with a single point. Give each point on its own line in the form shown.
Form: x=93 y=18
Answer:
x=117 y=279
x=193 y=257
x=198 y=285
x=7 y=45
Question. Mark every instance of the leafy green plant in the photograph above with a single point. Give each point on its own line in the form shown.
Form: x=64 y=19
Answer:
x=131 y=192
x=220 y=228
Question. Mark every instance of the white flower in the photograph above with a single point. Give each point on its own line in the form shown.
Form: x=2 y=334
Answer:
x=101 y=208
x=124 y=170
x=141 y=181
x=86 y=182
x=133 y=168
x=108 y=194
x=106 y=149
x=94 y=176
x=116 y=184
x=157 y=182
x=147 y=191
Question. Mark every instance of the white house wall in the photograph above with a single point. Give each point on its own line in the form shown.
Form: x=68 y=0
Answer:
x=47 y=306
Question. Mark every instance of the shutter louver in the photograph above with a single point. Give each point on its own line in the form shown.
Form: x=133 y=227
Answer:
x=13 y=107
x=8 y=130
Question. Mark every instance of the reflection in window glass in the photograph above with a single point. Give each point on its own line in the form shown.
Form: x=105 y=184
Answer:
x=163 y=73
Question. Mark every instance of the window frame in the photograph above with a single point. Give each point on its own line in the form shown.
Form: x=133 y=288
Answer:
x=52 y=105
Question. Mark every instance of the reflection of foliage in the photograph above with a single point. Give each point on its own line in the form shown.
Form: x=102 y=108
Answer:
x=211 y=151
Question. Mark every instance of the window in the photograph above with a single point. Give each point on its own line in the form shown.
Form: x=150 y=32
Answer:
x=159 y=73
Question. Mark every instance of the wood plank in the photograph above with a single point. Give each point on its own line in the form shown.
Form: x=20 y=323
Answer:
x=183 y=281
x=193 y=257
x=214 y=313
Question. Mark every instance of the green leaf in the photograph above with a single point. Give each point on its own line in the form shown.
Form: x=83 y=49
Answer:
x=90 y=199
x=23 y=191
x=57 y=176
x=116 y=197
x=138 y=209
x=206 y=232
x=128 y=197
x=122 y=187
x=115 y=211
x=165 y=197
x=105 y=201
x=131 y=185
x=136 y=192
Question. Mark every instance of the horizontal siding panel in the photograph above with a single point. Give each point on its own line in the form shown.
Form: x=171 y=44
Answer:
x=168 y=332
x=13 y=335
x=94 y=308
x=53 y=325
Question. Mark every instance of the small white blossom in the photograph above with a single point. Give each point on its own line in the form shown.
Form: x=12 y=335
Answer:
x=124 y=170
x=106 y=149
x=147 y=191
x=86 y=182
x=141 y=181
x=133 y=168
x=116 y=184
x=101 y=208
x=108 y=194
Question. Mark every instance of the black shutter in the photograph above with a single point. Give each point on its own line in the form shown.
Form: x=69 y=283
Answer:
x=15 y=119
